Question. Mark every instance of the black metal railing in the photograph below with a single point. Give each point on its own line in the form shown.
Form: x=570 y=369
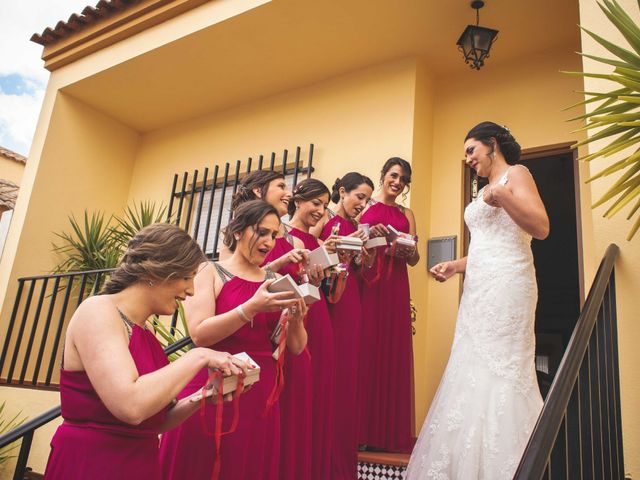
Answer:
x=26 y=430
x=41 y=310
x=201 y=204
x=579 y=431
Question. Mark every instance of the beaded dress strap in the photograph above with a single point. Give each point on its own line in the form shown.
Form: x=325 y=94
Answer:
x=225 y=275
x=288 y=237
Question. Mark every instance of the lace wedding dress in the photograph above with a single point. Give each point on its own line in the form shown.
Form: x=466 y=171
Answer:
x=488 y=400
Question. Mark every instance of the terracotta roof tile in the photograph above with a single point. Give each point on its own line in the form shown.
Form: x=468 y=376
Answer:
x=89 y=16
x=8 y=194
x=5 y=152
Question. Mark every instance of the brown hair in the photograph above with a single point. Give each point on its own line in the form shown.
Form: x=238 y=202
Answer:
x=307 y=190
x=259 y=179
x=248 y=214
x=160 y=251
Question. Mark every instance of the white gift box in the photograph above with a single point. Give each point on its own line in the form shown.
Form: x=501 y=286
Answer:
x=230 y=383
x=309 y=293
x=400 y=238
x=320 y=256
x=350 y=243
x=376 y=242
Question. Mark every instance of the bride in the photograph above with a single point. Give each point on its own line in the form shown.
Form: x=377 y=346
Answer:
x=488 y=400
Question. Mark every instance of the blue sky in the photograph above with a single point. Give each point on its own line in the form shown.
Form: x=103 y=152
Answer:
x=23 y=78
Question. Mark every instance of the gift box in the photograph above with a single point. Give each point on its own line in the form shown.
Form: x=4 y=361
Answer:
x=352 y=244
x=376 y=242
x=309 y=293
x=399 y=237
x=230 y=383
x=320 y=256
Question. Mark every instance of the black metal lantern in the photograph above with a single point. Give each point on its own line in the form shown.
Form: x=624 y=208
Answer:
x=475 y=42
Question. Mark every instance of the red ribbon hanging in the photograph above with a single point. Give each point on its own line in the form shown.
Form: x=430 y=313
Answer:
x=279 y=383
x=217 y=431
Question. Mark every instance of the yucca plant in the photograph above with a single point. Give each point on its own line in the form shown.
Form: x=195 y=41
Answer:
x=616 y=115
x=5 y=427
x=90 y=246
x=135 y=219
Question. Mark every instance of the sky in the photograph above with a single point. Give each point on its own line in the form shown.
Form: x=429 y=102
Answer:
x=23 y=78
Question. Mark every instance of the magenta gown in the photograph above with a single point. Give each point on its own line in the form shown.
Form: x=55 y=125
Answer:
x=252 y=452
x=91 y=442
x=385 y=390
x=320 y=344
x=296 y=397
x=346 y=316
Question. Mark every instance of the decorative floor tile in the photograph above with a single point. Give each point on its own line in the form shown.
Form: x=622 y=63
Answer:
x=375 y=471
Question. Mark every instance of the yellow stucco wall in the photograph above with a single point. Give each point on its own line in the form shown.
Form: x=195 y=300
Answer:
x=616 y=230
x=11 y=169
x=84 y=162
x=28 y=404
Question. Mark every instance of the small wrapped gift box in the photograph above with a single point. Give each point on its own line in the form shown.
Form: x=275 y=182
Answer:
x=376 y=242
x=309 y=293
x=320 y=256
x=401 y=238
x=230 y=383
x=352 y=244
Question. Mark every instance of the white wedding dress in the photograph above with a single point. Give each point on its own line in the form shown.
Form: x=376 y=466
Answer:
x=488 y=400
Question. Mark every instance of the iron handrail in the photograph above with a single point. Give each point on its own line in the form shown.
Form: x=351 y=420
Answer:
x=541 y=442
x=65 y=274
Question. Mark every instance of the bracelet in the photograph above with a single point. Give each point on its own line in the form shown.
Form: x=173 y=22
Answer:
x=243 y=316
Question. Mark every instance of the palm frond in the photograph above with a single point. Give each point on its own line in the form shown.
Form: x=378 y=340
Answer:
x=616 y=114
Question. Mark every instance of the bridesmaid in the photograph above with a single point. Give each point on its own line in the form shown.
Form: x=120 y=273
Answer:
x=116 y=387
x=386 y=352
x=351 y=194
x=286 y=257
x=308 y=206
x=233 y=308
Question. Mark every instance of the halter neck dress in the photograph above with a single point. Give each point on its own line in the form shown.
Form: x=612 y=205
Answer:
x=252 y=452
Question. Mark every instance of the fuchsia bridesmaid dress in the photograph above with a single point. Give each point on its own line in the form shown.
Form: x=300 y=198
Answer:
x=346 y=317
x=252 y=452
x=296 y=398
x=385 y=390
x=91 y=442
x=320 y=344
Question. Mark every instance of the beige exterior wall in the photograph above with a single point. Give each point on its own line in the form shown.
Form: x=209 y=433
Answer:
x=615 y=231
x=11 y=169
x=29 y=404
x=85 y=162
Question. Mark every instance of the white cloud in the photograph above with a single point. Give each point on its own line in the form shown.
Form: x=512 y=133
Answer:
x=18 y=55
x=18 y=118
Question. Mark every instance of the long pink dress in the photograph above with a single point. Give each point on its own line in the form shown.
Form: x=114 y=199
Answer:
x=252 y=452
x=296 y=397
x=385 y=390
x=91 y=442
x=346 y=316
x=320 y=343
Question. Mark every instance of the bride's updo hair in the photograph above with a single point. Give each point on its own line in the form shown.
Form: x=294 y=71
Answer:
x=260 y=179
x=349 y=182
x=485 y=132
x=158 y=252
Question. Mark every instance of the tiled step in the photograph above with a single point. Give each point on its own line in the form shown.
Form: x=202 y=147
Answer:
x=382 y=465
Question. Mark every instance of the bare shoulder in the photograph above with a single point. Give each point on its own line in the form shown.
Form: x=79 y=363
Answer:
x=520 y=176
x=297 y=243
x=409 y=213
x=95 y=314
